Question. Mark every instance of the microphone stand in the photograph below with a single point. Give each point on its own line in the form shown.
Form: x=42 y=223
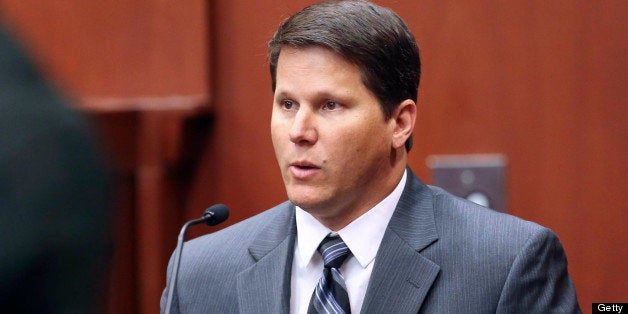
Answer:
x=177 y=258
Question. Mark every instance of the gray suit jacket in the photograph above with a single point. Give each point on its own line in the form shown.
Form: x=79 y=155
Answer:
x=440 y=254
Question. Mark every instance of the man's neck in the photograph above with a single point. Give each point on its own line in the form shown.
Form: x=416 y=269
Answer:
x=339 y=221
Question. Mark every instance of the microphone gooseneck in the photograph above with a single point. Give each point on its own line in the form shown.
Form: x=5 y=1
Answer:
x=212 y=216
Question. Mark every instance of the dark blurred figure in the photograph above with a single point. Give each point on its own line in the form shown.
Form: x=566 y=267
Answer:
x=54 y=197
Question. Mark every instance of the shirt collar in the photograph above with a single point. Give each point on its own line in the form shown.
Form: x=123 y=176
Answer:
x=363 y=235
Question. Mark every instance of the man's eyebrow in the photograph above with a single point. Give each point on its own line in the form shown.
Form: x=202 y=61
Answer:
x=279 y=94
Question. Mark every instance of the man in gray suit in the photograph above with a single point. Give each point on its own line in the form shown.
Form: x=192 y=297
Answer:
x=360 y=232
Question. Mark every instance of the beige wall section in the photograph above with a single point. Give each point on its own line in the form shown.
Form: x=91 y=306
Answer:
x=541 y=82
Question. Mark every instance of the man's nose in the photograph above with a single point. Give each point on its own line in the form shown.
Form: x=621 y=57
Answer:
x=303 y=130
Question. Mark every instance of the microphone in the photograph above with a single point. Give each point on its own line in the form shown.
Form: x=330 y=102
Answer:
x=212 y=216
x=215 y=214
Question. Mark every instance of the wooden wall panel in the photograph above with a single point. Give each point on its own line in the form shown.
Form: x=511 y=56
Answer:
x=540 y=82
x=117 y=48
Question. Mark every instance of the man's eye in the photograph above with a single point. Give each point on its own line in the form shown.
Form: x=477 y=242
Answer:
x=331 y=105
x=287 y=104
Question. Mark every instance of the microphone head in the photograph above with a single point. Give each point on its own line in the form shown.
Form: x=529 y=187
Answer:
x=216 y=214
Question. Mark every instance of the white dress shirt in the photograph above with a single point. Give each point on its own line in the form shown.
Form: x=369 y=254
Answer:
x=363 y=237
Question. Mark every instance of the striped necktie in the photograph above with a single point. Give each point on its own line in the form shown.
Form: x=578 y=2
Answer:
x=330 y=295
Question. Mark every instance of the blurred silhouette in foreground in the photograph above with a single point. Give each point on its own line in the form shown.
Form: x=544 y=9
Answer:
x=54 y=197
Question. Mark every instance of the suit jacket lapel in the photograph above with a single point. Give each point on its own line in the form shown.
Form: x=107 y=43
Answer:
x=401 y=276
x=265 y=287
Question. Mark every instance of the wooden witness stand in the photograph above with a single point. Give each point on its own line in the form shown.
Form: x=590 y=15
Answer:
x=148 y=138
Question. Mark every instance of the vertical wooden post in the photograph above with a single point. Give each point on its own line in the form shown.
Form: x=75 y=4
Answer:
x=150 y=177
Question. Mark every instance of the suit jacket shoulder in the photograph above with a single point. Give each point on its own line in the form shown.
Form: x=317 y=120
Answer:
x=444 y=254
x=211 y=264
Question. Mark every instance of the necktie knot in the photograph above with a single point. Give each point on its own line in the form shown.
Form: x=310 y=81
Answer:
x=334 y=251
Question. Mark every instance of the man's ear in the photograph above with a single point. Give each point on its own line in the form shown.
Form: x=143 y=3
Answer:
x=404 y=118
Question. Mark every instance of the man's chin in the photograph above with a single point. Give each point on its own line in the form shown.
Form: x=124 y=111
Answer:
x=306 y=205
x=307 y=202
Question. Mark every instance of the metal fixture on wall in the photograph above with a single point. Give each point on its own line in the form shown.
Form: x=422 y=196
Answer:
x=480 y=178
